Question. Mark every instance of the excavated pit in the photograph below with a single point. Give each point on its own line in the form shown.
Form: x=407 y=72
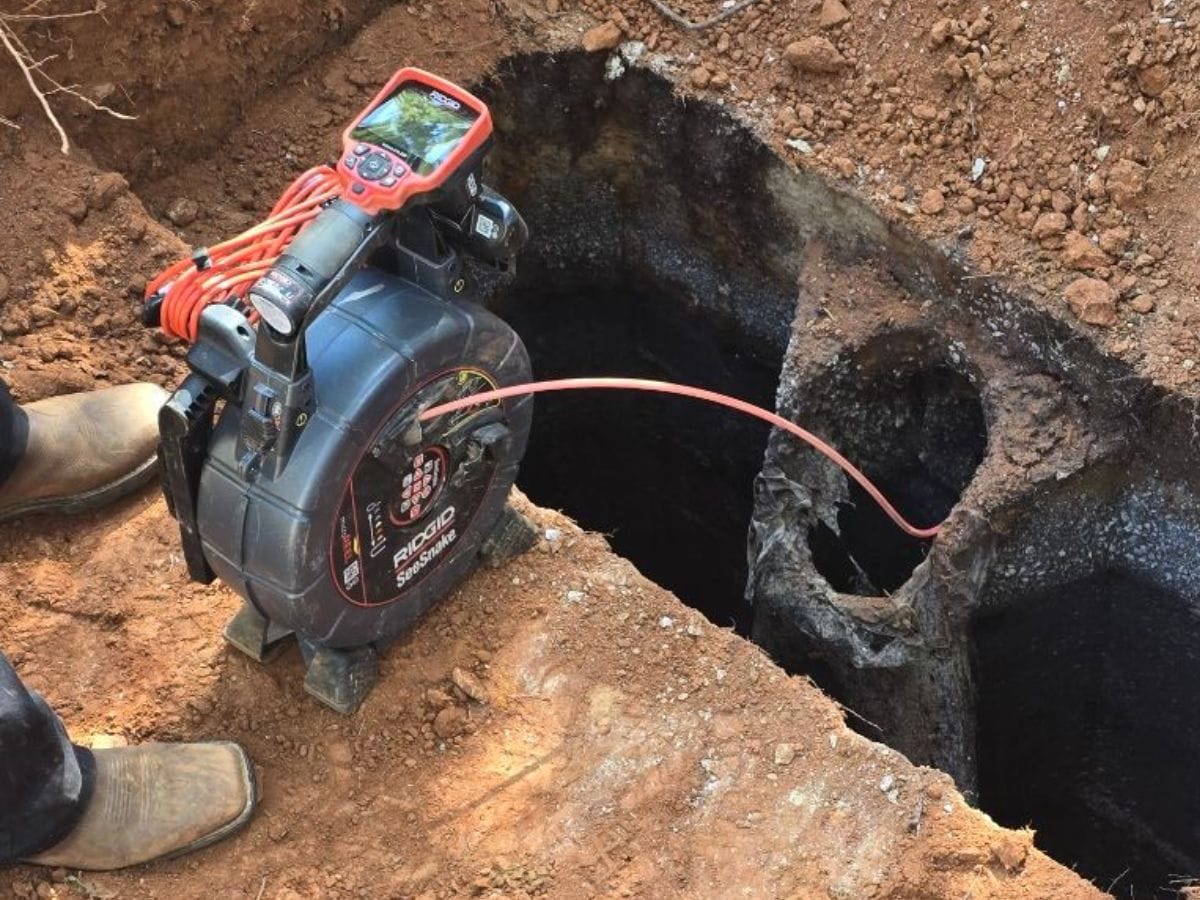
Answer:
x=1038 y=650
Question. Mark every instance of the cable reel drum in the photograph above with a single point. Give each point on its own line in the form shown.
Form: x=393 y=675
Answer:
x=294 y=456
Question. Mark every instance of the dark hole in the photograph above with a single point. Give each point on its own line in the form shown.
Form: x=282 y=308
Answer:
x=1088 y=729
x=921 y=441
x=668 y=479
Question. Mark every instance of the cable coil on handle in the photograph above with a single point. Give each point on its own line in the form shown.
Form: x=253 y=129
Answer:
x=225 y=272
x=683 y=390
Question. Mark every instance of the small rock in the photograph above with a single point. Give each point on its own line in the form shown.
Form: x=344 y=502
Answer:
x=1082 y=255
x=277 y=832
x=1049 y=225
x=1093 y=302
x=666 y=622
x=604 y=36
x=4 y=287
x=553 y=7
x=1154 y=80
x=784 y=754
x=469 y=685
x=175 y=15
x=933 y=202
x=106 y=188
x=833 y=13
x=574 y=596
x=1143 y=304
x=1126 y=181
x=183 y=212
x=1061 y=202
x=941 y=31
x=700 y=77
x=815 y=55
x=926 y=112
x=844 y=166
x=787 y=119
x=450 y=722
x=1010 y=852
x=1115 y=240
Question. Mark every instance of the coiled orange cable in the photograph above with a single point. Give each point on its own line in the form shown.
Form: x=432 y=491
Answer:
x=229 y=269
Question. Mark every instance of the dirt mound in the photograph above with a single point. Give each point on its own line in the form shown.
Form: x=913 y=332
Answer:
x=561 y=727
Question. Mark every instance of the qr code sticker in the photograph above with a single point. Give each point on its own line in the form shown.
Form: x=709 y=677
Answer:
x=487 y=227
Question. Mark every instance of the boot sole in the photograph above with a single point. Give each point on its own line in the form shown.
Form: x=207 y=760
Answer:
x=87 y=500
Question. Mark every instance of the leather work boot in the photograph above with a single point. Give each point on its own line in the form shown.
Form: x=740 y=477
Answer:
x=85 y=450
x=157 y=801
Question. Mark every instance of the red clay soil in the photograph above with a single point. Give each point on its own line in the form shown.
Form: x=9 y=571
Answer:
x=560 y=727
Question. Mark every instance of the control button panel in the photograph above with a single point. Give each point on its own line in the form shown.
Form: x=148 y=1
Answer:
x=374 y=166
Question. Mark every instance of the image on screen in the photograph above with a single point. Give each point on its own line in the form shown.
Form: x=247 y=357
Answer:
x=419 y=124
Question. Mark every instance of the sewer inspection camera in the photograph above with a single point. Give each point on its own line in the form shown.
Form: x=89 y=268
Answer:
x=342 y=452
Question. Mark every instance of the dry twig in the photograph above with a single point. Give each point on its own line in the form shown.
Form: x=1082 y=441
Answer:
x=31 y=69
x=704 y=23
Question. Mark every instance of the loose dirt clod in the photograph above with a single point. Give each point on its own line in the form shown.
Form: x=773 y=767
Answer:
x=1093 y=302
x=605 y=36
x=1081 y=254
x=814 y=55
x=833 y=13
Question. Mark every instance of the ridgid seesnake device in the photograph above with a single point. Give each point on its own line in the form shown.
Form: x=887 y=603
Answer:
x=293 y=456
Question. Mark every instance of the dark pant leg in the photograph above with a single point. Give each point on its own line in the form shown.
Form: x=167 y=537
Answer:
x=45 y=782
x=14 y=433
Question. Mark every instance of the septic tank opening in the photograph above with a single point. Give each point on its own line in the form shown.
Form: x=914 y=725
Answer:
x=1088 y=729
x=920 y=439
x=669 y=480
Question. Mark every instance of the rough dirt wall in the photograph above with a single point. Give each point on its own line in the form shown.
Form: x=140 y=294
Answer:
x=187 y=70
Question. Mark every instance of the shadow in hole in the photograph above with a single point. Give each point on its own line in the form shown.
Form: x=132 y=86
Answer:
x=937 y=438
x=1088 y=728
x=668 y=479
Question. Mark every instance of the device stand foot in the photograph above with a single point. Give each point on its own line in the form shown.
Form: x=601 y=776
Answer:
x=256 y=636
x=341 y=679
x=512 y=535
